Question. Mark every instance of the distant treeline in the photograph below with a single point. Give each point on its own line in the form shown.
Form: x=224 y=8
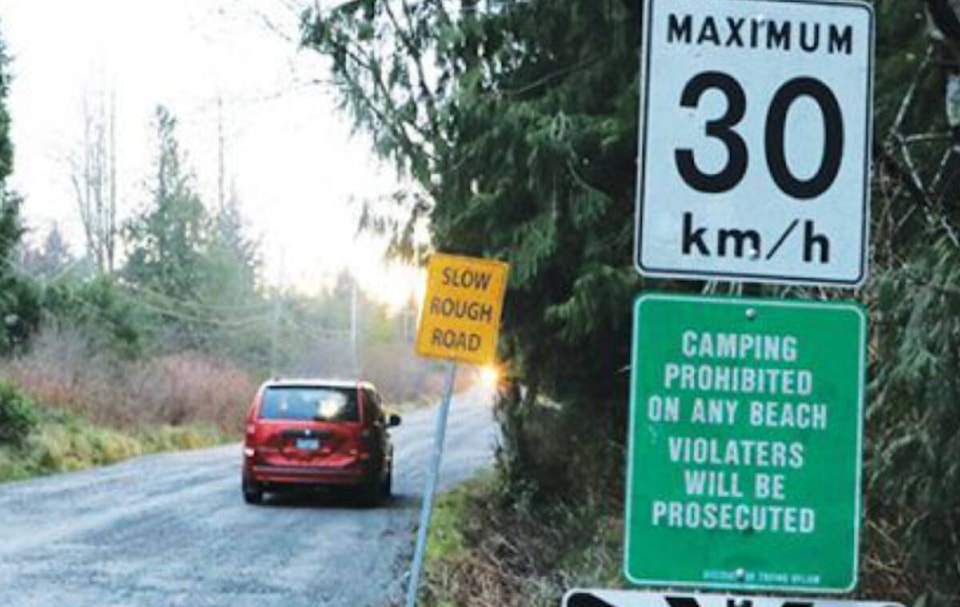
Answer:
x=164 y=318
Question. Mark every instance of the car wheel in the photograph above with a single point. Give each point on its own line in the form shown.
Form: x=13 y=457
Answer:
x=252 y=493
x=370 y=494
x=386 y=487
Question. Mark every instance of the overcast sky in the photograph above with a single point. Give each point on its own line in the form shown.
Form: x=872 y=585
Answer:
x=298 y=173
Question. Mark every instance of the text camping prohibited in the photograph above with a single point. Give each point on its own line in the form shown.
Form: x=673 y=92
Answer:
x=745 y=443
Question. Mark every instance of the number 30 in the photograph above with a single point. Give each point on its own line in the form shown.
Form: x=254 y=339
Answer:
x=737 y=154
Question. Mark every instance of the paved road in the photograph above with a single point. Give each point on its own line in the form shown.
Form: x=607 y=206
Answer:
x=172 y=530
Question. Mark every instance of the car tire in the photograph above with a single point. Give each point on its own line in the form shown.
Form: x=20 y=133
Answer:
x=252 y=493
x=370 y=494
x=386 y=487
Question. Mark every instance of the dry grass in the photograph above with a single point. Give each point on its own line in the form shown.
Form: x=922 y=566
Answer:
x=180 y=389
x=64 y=442
x=482 y=554
x=884 y=571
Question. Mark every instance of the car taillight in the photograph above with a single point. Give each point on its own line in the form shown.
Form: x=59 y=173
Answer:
x=362 y=454
x=251 y=428
x=248 y=452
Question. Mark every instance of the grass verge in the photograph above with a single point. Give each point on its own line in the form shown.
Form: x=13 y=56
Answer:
x=60 y=441
x=484 y=552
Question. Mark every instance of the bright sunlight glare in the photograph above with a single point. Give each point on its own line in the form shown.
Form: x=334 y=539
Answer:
x=489 y=377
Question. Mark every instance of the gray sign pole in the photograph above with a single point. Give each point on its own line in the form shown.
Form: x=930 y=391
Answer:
x=433 y=475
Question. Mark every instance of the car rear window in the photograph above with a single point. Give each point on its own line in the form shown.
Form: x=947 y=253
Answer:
x=306 y=403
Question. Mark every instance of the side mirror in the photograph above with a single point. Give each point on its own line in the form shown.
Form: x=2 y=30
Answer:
x=393 y=421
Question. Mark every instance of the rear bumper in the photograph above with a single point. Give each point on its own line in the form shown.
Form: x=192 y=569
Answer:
x=308 y=475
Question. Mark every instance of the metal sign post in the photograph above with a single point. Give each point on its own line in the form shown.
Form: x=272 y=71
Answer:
x=459 y=321
x=433 y=475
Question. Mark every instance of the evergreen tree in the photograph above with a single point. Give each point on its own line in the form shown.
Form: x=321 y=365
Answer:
x=518 y=123
x=19 y=298
x=913 y=417
x=169 y=239
x=231 y=275
x=239 y=324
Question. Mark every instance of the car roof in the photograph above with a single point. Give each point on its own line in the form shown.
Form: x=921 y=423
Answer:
x=318 y=382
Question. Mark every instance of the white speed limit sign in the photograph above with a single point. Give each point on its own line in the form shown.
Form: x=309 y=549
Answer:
x=755 y=140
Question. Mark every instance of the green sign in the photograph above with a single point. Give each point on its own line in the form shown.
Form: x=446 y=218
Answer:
x=745 y=440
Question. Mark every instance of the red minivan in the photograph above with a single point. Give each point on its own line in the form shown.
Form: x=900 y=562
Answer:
x=314 y=433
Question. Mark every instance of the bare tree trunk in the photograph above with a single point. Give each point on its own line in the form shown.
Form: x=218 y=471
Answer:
x=221 y=144
x=111 y=216
x=95 y=180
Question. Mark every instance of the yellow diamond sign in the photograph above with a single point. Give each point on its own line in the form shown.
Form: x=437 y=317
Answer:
x=460 y=316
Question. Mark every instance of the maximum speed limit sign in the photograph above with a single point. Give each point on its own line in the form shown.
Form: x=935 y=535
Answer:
x=755 y=128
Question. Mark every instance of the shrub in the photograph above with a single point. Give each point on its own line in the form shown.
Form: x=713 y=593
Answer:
x=100 y=313
x=71 y=444
x=179 y=389
x=17 y=417
x=484 y=553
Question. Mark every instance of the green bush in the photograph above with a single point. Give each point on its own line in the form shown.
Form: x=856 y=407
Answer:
x=17 y=416
x=104 y=313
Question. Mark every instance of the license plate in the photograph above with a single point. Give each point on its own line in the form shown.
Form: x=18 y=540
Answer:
x=308 y=444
